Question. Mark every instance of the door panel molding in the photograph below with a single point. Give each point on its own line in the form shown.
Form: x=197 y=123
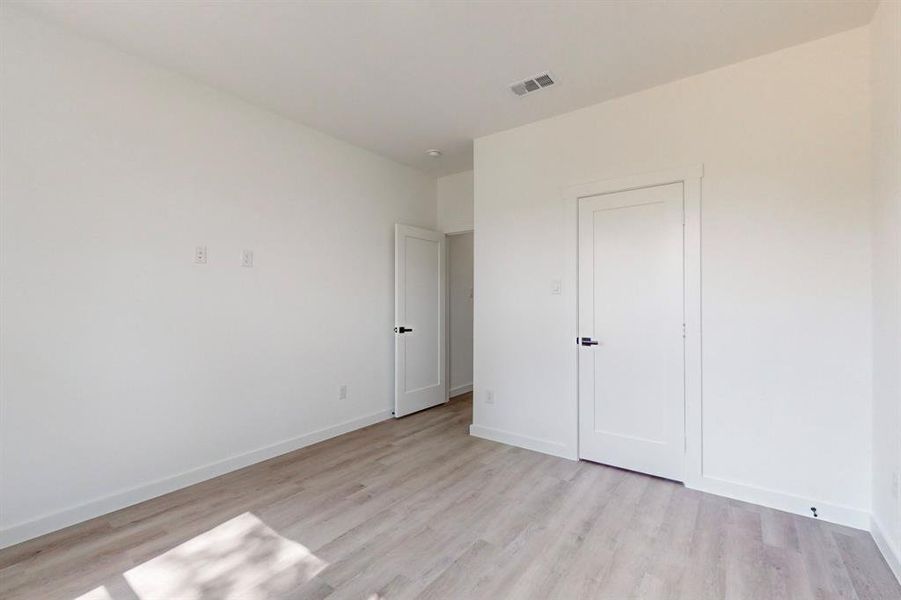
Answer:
x=690 y=177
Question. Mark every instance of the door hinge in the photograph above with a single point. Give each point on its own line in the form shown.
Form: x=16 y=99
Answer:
x=683 y=331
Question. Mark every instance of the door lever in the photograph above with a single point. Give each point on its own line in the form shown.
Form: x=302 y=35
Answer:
x=587 y=341
x=402 y=330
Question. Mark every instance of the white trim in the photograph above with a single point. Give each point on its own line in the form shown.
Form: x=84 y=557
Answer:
x=690 y=177
x=460 y=389
x=891 y=552
x=463 y=230
x=833 y=513
x=522 y=441
x=634 y=182
x=101 y=506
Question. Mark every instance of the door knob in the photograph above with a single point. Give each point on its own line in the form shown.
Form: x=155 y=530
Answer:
x=402 y=330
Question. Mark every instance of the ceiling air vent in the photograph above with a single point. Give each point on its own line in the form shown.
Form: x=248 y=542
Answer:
x=532 y=84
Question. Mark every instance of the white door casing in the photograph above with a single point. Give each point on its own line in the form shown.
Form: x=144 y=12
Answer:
x=631 y=316
x=420 y=319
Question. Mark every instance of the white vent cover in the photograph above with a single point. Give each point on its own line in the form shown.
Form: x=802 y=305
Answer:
x=532 y=84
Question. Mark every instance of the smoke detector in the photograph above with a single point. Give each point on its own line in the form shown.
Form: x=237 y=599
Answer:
x=433 y=153
x=532 y=84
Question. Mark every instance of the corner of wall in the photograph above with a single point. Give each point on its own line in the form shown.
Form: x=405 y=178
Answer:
x=885 y=90
x=455 y=201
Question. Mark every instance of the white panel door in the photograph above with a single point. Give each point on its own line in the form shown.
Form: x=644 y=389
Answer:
x=631 y=354
x=420 y=319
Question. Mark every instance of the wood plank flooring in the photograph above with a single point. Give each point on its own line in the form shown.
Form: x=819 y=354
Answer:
x=416 y=508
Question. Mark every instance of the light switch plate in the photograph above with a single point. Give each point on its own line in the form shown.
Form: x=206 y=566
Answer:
x=247 y=258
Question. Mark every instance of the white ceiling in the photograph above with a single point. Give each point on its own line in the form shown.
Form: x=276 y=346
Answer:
x=400 y=77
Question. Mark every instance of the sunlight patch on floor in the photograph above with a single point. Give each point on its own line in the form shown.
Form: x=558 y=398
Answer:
x=98 y=593
x=241 y=558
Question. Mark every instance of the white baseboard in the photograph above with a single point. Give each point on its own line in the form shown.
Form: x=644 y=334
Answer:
x=101 y=506
x=522 y=441
x=460 y=389
x=834 y=513
x=890 y=551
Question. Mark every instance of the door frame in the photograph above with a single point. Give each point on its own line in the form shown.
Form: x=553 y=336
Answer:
x=690 y=177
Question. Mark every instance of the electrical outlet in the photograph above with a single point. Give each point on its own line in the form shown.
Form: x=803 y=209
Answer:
x=200 y=255
x=342 y=392
x=247 y=258
x=489 y=397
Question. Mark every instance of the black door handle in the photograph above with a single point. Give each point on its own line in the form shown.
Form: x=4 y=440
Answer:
x=587 y=341
x=402 y=330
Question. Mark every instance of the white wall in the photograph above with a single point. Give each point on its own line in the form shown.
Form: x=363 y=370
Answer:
x=785 y=144
x=460 y=290
x=886 y=86
x=455 y=197
x=124 y=364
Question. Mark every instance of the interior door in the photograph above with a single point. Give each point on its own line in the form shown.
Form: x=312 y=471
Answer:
x=631 y=355
x=420 y=319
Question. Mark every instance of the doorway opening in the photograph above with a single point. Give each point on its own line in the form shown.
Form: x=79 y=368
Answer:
x=460 y=294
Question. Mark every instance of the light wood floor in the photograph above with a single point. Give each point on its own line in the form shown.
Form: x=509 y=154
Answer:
x=418 y=508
